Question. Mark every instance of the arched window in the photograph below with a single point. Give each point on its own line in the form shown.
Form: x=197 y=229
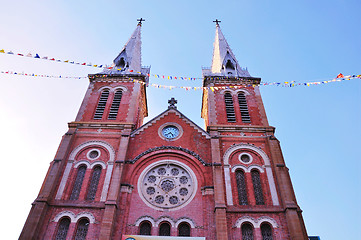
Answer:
x=93 y=186
x=101 y=105
x=82 y=229
x=62 y=229
x=164 y=229
x=229 y=65
x=241 y=187
x=115 y=105
x=78 y=183
x=266 y=231
x=257 y=186
x=243 y=107
x=184 y=230
x=145 y=228
x=231 y=116
x=247 y=231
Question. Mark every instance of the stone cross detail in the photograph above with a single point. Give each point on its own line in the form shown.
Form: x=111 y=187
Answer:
x=172 y=103
x=217 y=22
x=140 y=21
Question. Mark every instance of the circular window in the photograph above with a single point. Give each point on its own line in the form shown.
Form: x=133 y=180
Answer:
x=245 y=158
x=167 y=185
x=93 y=154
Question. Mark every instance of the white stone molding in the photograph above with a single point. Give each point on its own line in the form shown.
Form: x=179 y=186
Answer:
x=82 y=162
x=248 y=169
x=87 y=215
x=234 y=92
x=108 y=175
x=68 y=214
x=145 y=218
x=123 y=88
x=267 y=166
x=104 y=88
x=187 y=220
x=104 y=144
x=97 y=163
x=227 y=179
x=244 y=219
x=165 y=219
x=269 y=220
x=256 y=222
x=64 y=179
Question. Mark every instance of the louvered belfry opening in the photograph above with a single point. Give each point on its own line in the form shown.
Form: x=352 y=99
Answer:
x=247 y=231
x=113 y=113
x=101 y=105
x=231 y=116
x=241 y=187
x=243 y=108
x=63 y=229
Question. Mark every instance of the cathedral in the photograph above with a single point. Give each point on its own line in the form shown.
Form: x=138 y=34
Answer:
x=115 y=177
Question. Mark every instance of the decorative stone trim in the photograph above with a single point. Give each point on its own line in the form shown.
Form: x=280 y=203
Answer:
x=104 y=144
x=170 y=148
x=247 y=169
x=256 y=222
x=246 y=154
x=145 y=218
x=93 y=150
x=187 y=220
x=74 y=218
x=165 y=219
x=90 y=165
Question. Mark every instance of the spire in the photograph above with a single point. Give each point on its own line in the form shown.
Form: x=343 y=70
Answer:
x=224 y=63
x=129 y=60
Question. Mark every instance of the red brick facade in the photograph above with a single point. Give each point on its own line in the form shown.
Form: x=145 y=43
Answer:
x=125 y=148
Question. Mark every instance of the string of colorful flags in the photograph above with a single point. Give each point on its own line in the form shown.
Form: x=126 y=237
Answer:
x=105 y=66
x=340 y=77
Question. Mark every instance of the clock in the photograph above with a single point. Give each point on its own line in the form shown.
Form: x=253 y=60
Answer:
x=170 y=132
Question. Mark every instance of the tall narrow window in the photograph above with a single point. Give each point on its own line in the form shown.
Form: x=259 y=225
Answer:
x=78 y=183
x=266 y=231
x=247 y=231
x=231 y=116
x=184 y=230
x=63 y=229
x=257 y=186
x=82 y=229
x=93 y=186
x=241 y=187
x=101 y=105
x=145 y=228
x=115 y=105
x=243 y=108
x=164 y=229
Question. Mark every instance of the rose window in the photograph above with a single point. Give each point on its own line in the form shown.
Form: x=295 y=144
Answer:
x=167 y=185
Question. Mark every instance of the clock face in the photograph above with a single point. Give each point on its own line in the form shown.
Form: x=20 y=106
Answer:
x=170 y=132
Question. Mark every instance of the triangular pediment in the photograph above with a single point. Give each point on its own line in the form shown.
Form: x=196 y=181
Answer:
x=165 y=114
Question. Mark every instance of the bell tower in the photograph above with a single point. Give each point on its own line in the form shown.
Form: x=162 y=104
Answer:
x=246 y=154
x=79 y=196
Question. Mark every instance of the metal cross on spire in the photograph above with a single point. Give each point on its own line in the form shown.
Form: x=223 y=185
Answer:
x=217 y=22
x=172 y=103
x=140 y=21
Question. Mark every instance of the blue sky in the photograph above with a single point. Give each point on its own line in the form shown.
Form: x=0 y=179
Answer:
x=318 y=126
